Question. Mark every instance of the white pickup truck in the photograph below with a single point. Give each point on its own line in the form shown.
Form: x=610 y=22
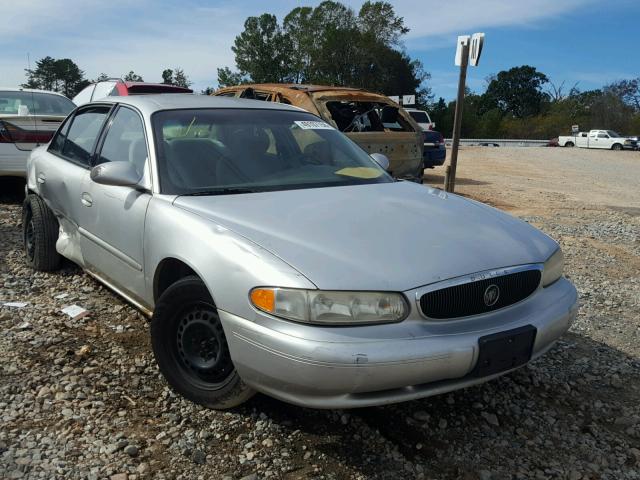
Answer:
x=598 y=139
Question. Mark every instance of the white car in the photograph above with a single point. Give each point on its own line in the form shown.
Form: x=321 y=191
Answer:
x=28 y=118
x=598 y=139
x=422 y=118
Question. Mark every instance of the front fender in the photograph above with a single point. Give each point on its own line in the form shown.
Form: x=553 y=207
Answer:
x=229 y=264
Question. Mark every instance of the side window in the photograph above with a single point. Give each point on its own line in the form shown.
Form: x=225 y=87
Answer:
x=83 y=132
x=58 y=141
x=603 y=135
x=125 y=140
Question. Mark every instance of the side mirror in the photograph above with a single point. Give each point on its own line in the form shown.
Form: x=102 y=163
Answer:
x=381 y=159
x=120 y=174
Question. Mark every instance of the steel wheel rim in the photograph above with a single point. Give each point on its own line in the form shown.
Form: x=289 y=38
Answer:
x=202 y=349
x=30 y=239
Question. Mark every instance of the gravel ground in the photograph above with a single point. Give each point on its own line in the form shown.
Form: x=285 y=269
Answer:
x=83 y=398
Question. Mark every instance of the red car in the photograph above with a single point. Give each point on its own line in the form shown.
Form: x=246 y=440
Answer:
x=116 y=87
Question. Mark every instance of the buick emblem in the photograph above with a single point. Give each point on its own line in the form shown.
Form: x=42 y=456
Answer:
x=491 y=295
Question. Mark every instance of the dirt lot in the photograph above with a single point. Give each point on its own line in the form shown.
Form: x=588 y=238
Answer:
x=83 y=398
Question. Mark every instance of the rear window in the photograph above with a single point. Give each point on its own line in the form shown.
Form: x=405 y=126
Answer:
x=420 y=117
x=34 y=103
x=359 y=116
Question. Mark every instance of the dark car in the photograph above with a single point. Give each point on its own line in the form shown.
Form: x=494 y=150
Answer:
x=435 y=152
x=115 y=87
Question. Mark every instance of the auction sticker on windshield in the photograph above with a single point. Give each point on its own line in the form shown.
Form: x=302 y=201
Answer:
x=313 y=125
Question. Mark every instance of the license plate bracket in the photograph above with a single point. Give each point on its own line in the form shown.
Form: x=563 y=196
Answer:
x=503 y=351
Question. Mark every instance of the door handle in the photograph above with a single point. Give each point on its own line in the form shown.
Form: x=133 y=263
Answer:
x=42 y=178
x=86 y=199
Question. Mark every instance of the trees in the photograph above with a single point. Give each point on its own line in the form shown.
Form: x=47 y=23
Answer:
x=132 y=77
x=329 y=44
x=175 y=77
x=227 y=78
x=517 y=91
x=61 y=75
x=628 y=91
x=262 y=49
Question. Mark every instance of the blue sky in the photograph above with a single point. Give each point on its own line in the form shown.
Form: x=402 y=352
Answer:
x=586 y=41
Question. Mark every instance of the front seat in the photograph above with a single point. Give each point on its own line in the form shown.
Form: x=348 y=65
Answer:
x=249 y=146
x=192 y=162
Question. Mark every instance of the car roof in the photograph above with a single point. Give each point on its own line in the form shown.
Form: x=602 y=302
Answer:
x=29 y=90
x=175 y=101
x=298 y=86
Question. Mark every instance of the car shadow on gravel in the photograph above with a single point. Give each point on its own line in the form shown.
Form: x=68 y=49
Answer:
x=576 y=400
x=11 y=190
x=437 y=180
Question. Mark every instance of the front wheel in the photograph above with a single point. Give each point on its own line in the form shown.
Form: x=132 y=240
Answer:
x=616 y=146
x=39 y=234
x=191 y=348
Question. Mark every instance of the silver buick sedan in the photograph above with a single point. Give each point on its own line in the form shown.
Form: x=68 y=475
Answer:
x=274 y=255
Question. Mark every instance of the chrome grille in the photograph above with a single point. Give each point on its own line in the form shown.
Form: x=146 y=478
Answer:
x=476 y=297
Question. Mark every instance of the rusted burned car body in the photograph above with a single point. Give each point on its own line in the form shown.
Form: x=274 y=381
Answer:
x=400 y=140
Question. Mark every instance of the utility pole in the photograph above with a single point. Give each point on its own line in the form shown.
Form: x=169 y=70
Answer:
x=468 y=50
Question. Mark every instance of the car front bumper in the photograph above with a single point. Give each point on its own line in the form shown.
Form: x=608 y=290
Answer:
x=335 y=367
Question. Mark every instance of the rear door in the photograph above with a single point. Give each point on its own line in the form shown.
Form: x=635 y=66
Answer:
x=61 y=171
x=112 y=218
x=400 y=141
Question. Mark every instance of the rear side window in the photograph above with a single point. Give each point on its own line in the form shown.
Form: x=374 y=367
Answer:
x=58 y=141
x=83 y=132
x=34 y=103
x=420 y=117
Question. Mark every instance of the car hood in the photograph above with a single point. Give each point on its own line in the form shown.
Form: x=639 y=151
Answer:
x=393 y=236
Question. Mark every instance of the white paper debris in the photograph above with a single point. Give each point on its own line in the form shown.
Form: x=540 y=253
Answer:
x=23 y=326
x=15 y=304
x=313 y=125
x=75 y=311
x=61 y=296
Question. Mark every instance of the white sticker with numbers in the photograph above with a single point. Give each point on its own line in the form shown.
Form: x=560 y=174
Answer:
x=313 y=125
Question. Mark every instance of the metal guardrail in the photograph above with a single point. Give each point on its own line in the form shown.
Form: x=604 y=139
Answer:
x=499 y=142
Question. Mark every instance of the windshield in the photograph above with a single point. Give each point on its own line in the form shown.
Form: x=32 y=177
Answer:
x=420 y=117
x=36 y=103
x=613 y=134
x=225 y=151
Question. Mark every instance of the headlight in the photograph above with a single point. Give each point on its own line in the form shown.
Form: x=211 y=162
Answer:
x=330 y=307
x=553 y=268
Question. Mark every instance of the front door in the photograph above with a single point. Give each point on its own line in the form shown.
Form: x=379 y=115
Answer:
x=113 y=219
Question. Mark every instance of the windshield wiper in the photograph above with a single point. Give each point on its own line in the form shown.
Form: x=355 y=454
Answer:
x=220 y=191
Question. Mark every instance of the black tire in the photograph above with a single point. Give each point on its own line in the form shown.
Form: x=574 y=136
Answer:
x=569 y=144
x=191 y=349
x=616 y=146
x=39 y=234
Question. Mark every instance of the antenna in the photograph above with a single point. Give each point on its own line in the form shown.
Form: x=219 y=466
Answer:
x=33 y=103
